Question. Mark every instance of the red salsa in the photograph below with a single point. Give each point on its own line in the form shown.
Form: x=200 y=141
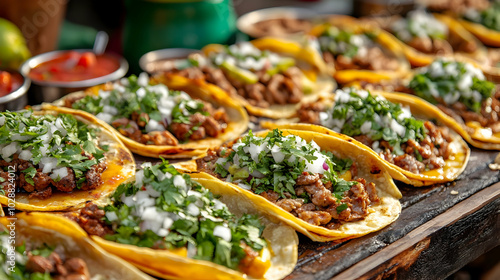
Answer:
x=73 y=66
x=9 y=82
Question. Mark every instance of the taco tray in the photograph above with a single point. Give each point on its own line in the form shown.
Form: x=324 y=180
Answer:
x=440 y=229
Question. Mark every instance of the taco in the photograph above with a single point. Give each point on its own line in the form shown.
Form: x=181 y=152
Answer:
x=270 y=77
x=412 y=136
x=482 y=22
x=422 y=36
x=153 y=120
x=357 y=52
x=57 y=162
x=172 y=227
x=461 y=91
x=45 y=247
x=322 y=186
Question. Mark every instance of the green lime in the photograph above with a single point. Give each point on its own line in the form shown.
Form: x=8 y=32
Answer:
x=13 y=49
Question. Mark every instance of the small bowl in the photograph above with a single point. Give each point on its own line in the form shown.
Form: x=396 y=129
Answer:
x=48 y=91
x=17 y=99
x=246 y=23
x=154 y=61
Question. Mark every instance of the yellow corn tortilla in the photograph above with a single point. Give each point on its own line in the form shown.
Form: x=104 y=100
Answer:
x=488 y=36
x=369 y=167
x=238 y=119
x=120 y=167
x=42 y=229
x=174 y=264
x=351 y=75
x=420 y=109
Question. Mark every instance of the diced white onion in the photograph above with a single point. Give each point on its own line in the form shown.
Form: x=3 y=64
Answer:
x=193 y=210
x=399 y=129
x=223 y=232
x=143 y=79
x=59 y=173
x=180 y=182
x=316 y=166
x=153 y=125
x=111 y=216
x=60 y=126
x=162 y=232
x=366 y=127
x=278 y=156
x=167 y=222
x=48 y=163
x=9 y=150
x=105 y=117
x=25 y=155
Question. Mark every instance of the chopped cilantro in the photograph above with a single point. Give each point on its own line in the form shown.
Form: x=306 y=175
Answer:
x=447 y=82
x=281 y=160
x=62 y=138
x=175 y=193
x=489 y=17
x=131 y=99
x=373 y=116
x=341 y=42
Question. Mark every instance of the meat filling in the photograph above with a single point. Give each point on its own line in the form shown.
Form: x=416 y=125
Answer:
x=323 y=209
x=281 y=88
x=434 y=148
x=43 y=185
x=69 y=269
x=373 y=59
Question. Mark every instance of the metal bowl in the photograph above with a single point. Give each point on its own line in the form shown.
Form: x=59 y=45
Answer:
x=17 y=99
x=149 y=62
x=246 y=22
x=48 y=91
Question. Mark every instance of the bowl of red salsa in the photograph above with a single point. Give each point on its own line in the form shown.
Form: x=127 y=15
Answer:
x=13 y=88
x=57 y=73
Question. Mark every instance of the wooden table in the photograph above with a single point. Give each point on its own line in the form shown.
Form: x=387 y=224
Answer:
x=441 y=228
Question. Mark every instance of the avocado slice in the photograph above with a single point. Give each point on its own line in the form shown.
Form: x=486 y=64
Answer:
x=243 y=75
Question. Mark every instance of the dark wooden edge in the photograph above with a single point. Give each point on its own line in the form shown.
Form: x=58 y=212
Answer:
x=463 y=232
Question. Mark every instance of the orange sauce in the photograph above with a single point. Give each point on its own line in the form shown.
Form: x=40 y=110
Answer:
x=73 y=66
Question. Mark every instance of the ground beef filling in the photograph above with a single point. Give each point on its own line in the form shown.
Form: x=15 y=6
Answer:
x=91 y=219
x=44 y=186
x=278 y=89
x=434 y=148
x=373 y=59
x=200 y=126
x=489 y=115
x=321 y=210
x=59 y=269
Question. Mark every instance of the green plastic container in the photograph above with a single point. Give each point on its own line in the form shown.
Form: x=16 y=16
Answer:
x=159 y=24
